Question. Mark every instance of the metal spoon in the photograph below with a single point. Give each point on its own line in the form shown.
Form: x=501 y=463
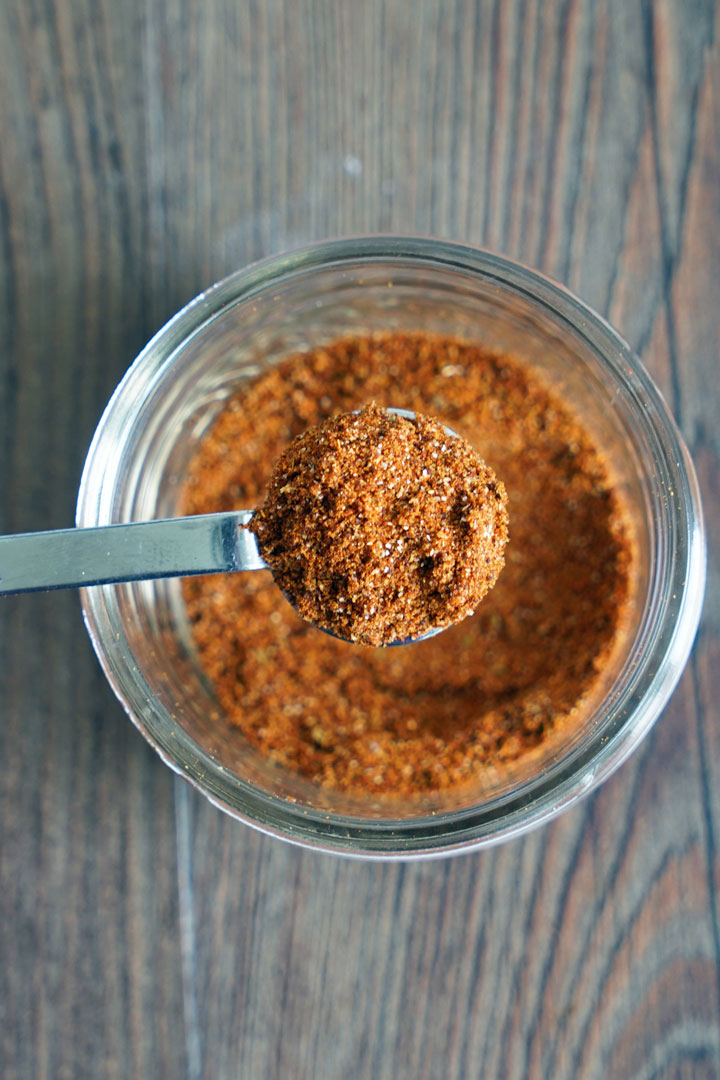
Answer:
x=139 y=551
x=112 y=554
x=173 y=547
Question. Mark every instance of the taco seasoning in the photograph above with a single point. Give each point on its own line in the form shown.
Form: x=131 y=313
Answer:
x=381 y=528
x=463 y=707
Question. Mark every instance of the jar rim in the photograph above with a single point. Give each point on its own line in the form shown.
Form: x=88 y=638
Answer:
x=669 y=627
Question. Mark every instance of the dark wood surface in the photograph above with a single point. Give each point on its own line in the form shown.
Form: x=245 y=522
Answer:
x=149 y=147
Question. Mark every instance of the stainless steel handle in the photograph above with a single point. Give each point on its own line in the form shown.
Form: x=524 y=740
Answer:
x=174 y=547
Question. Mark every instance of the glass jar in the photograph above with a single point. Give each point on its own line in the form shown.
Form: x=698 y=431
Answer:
x=177 y=386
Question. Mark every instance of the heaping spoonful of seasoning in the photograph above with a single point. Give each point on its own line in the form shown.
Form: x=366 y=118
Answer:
x=381 y=527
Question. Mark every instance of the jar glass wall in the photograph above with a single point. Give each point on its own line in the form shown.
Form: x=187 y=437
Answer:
x=152 y=427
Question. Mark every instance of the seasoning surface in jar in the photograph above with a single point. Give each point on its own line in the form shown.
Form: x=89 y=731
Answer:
x=381 y=528
x=465 y=706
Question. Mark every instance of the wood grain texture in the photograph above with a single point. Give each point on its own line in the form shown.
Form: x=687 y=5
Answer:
x=148 y=148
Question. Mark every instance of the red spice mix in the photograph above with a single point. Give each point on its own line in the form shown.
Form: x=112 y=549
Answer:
x=380 y=528
x=461 y=707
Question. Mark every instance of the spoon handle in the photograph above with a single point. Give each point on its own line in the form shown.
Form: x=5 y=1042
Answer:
x=174 y=547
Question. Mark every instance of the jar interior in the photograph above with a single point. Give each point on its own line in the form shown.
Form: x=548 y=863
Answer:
x=302 y=312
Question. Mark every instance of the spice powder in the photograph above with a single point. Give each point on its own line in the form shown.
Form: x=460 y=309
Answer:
x=461 y=707
x=381 y=528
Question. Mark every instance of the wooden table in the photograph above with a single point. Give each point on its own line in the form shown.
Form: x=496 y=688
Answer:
x=149 y=148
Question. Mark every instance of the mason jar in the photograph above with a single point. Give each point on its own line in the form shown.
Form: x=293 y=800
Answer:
x=172 y=393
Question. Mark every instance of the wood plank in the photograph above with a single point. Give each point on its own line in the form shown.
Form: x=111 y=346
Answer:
x=148 y=149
